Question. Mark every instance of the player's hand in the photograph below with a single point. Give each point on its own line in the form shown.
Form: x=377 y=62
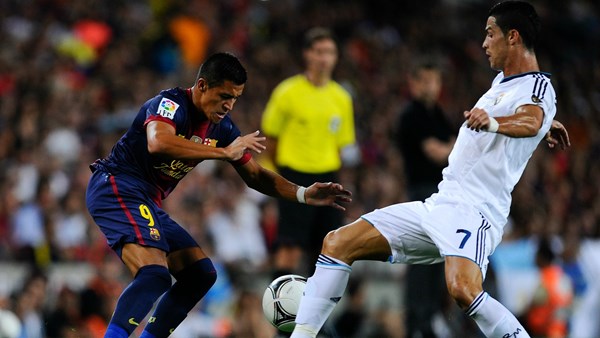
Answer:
x=558 y=135
x=251 y=141
x=477 y=119
x=327 y=194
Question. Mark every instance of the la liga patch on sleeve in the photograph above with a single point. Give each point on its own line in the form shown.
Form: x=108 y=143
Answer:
x=167 y=108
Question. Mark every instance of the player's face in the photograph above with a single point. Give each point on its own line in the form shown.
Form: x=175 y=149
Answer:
x=216 y=102
x=426 y=85
x=321 y=57
x=495 y=44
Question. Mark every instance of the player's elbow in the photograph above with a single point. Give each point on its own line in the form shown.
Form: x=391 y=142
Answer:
x=532 y=129
x=463 y=291
x=529 y=120
x=253 y=183
x=154 y=147
x=523 y=129
x=158 y=142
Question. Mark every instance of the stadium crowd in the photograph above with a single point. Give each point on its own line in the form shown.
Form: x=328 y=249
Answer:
x=73 y=74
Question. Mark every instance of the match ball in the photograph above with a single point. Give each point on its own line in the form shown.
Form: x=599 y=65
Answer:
x=281 y=301
x=10 y=325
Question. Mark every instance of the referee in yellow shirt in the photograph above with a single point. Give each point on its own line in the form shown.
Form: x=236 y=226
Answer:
x=308 y=119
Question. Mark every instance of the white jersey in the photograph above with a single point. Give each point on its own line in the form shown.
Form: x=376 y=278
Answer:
x=483 y=168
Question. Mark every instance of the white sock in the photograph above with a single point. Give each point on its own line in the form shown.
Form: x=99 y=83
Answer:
x=323 y=291
x=494 y=319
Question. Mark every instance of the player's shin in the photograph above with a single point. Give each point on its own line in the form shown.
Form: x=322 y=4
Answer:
x=192 y=284
x=137 y=299
x=323 y=291
x=494 y=319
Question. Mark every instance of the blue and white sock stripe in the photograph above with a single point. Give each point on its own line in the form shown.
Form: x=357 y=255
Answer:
x=480 y=243
x=540 y=85
x=476 y=304
x=332 y=263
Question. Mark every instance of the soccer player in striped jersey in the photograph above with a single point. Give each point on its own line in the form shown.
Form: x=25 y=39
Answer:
x=463 y=222
x=170 y=135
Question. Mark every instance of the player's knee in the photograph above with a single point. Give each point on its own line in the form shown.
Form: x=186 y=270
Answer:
x=158 y=275
x=462 y=291
x=197 y=278
x=334 y=244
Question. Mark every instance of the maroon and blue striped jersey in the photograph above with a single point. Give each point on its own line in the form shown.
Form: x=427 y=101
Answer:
x=159 y=175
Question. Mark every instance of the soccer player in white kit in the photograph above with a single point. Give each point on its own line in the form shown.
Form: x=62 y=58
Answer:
x=463 y=223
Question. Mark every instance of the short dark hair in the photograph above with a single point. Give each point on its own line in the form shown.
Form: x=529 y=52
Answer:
x=519 y=15
x=544 y=252
x=423 y=64
x=221 y=67
x=316 y=34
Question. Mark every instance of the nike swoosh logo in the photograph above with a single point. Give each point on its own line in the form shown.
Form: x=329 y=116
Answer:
x=132 y=322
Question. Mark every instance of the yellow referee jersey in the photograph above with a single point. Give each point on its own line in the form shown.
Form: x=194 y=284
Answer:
x=311 y=124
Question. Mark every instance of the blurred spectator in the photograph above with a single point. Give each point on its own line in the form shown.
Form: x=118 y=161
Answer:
x=29 y=304
x=29 y=226
x=98 y=299
x=233 y=225
x=350 y=322
x=425 y=138
x=192 y=36
x=248 y=319
x=65 y=315
x=548 y=313
x=70 y=233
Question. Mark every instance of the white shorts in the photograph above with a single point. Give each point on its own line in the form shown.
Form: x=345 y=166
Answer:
x=425 y=232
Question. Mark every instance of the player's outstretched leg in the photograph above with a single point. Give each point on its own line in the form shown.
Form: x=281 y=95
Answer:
x=341 y=247
x=464 y=281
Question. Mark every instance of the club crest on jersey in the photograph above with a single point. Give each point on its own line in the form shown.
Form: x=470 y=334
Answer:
x=154 y=234
x=334 y=124
x=167 y=108
x=207 y=141
x=210 y=142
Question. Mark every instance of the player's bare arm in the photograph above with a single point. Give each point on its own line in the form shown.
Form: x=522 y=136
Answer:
x=558 y=136
x=272 y=149
x=437 y=150
x=525 y=122
x=162 y=140
x=273 y=184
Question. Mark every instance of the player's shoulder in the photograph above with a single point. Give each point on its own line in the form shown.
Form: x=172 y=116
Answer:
x=525 y=78
x=537 y=83
x=176 y=94
x=168 y=102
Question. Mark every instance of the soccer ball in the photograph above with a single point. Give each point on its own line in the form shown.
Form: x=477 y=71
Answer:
x=281 y=300
x=10 y=325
